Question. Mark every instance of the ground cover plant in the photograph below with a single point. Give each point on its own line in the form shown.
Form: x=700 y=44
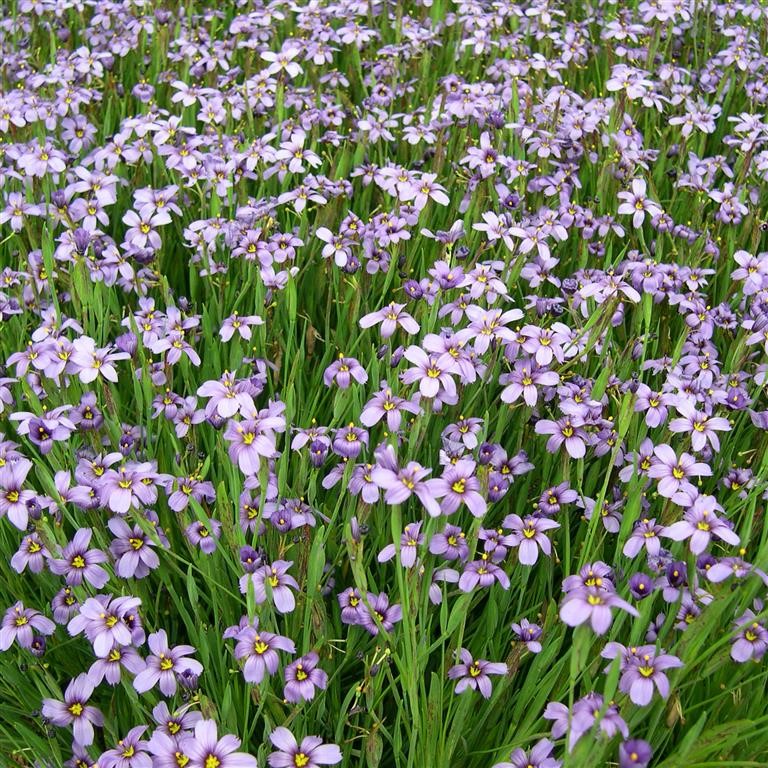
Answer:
x=383 y=384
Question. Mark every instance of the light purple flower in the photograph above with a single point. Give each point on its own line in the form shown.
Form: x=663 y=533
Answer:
x=700 y=522
x=302 y=677
x=474 y=673
x=207 y=750
x=390 y=317
x=528 y=535
x=164 y=663
x=20 y=625
x=75 y=710
x=311 y=753
x=343 y=371
x=459 y=485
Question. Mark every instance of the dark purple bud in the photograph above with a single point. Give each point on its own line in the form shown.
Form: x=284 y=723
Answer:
x=381 y=352
x=216 y=421
x=496 y=119
x=126 y=444
x=318 y=451
x=127 y=342
x=413 y=289
x=397 y=356
x=677 y=573
x=34 y=509
x=462 y=252
x=352 y=265
x=635 y=753
x=249 y=559
x=59 y=198
x=188 y=680
x=354 y=526
x=38 y=646
x=82 y=238
x=640 y=586
x=485 y=453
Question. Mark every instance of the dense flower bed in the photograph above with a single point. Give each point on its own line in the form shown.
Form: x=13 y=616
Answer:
x=383 y=384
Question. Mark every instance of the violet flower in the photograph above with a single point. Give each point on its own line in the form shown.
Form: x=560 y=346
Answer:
x=390 y=317
x=207 y=750
x=302 y=677
x=164 y=664
x=699 y=524
x=311 y=753
x=75 y=710
x=474 y=673
x=20 y=625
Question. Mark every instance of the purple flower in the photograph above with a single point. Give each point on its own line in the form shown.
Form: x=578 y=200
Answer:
x=540 y=756
x=75 y=710
x=699 y=426
x=410 y=540
x=645 y=671
x=640 y=586
x=207 y=750
x=276 y=580
x=204 y=535
x=398 y=484
x=104 y=622
x=78 y=563
x=451 y=543
x=259 y=649
x=13 y=499
x=384 y=404
x=529 y=634
x=566 y=430
x=249 y=442
x=302 y=677
x=524 y=380
x=637 y=204
x=380 y=613
x=190 y=487
x=673 y=473
x=592 y=604
x=240 y=324
x=751 y=640
x=32 y=553
x=474 y=673
x=348 y=441
x=700 y=522
x=20 y=625
x=645 y=534
x=458 y=485
x=482 y=573
x=586 y=712
x=432 y=373
x=132 y=550
x=528 y=534
x=129 y=752
x=311 y=753
x=342 y=371
x=110 y=667
x=164 y=663
x=390 y=317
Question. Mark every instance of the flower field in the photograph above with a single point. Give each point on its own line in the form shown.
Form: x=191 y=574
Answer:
x=383 y=384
